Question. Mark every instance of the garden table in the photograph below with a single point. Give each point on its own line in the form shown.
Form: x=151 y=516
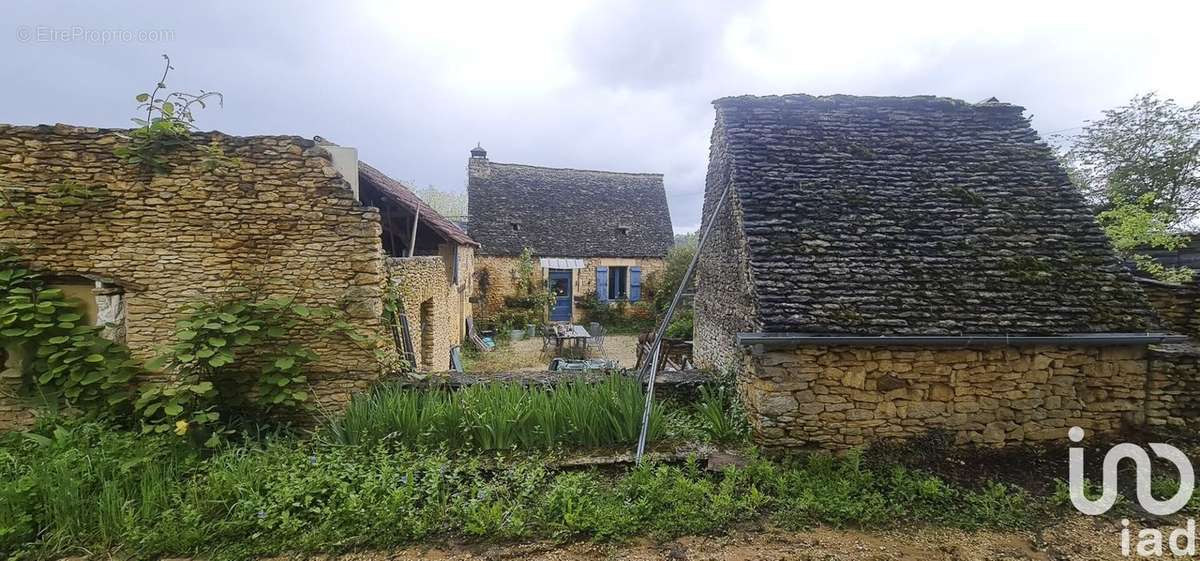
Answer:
x=576 y=334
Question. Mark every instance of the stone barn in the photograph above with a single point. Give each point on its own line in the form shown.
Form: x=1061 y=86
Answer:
x=592 y=232
x=288 y=216
x=885 y=266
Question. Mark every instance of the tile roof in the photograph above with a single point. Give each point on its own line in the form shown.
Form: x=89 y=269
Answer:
x=400 y=194
x=567 y=212
x=916 y=216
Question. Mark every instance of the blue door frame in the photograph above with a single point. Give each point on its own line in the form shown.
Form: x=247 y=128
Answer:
x=560 y=285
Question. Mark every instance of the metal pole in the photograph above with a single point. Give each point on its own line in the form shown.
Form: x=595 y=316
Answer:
x=412 y=242
x=662 y=327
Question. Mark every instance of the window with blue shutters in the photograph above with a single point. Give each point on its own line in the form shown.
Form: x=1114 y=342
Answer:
x=635 y=284
x=602 y=283
x=618 y=283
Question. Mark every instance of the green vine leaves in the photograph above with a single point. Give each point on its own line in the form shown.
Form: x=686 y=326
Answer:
x=65 y=358
x=167 y=127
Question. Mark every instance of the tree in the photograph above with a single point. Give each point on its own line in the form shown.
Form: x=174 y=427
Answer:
x=1134 y=227
x=678 y=258
x=1145 y=154
x=450 y=204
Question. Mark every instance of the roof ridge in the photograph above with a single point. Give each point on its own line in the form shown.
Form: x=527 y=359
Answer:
x=922 y=100
x=650 y=174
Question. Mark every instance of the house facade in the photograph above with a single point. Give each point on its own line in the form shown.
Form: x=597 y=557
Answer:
x=884 y=267
x=590 y=233
x=285 y=215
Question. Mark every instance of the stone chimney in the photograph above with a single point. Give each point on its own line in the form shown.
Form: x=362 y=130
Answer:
x=477 y=165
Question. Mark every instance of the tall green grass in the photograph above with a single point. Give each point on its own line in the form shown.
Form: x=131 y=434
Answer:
x=87 y=489
x=500 y=416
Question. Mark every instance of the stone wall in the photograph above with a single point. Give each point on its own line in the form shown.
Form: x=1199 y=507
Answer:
x=841 y=397
x=1176 y=305
x=437 y=308
x=502 y=276
x=282 y=221
x=1174 y=386
x=724 y=303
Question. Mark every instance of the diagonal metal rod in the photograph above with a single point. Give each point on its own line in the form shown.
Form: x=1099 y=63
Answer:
x=662 y=327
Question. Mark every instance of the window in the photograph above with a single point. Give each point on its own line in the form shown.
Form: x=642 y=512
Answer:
x=618 y=283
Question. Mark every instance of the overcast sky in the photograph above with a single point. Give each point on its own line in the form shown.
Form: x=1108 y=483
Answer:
x=623 y=85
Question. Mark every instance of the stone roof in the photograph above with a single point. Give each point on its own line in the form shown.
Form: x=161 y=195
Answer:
x=567 y=212
x=400 y=194
x=916 y=216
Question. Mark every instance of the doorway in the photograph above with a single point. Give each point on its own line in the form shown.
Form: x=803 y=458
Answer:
x=560 y=286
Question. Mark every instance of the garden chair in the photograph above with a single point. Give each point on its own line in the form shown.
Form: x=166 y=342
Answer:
x=596 y=343
x=549 y=337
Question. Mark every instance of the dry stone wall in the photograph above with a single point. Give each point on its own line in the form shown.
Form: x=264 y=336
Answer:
x=1175 y=304
x=282 y=220
x=434 y=304
x=724 y=303
x=1173 y=389
x=841 y=397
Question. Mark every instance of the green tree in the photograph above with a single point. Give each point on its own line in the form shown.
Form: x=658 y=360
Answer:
x=1145 y=154
x=1134 y=227
x=678 y=258
x=448 y=203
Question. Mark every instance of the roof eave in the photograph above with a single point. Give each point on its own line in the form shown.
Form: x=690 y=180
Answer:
x=790 y=340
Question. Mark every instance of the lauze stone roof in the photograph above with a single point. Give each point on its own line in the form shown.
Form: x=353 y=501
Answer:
x=916 y=216
x=566 y=212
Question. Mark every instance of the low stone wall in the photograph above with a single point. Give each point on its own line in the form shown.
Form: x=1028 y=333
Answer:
x=432 y=304
x=841 y=397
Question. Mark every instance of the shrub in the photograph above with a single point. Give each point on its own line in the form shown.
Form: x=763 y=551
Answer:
x=682 y=327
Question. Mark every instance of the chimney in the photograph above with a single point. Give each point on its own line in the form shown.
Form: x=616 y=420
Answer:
x=345 y=161
x=477 y=166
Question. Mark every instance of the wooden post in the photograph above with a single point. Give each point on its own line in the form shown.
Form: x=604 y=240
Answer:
x=412 y=242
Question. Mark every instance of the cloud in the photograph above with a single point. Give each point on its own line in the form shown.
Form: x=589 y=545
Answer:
x=620 y=85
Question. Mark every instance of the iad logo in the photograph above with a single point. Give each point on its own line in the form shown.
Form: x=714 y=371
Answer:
x=1150 y=540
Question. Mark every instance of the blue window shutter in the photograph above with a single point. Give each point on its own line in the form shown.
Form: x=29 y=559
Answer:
x=635 y=284
x=602 y=283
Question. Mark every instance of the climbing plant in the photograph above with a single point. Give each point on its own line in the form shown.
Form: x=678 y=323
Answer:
x=167 y=127
x=63 y=358
x=233 y=344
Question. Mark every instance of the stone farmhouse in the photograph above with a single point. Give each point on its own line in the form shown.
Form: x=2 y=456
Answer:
x=885 y=266
x=593 y=232
x=294 y=217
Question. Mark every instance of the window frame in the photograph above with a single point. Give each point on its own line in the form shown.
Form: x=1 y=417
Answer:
x=618 y=272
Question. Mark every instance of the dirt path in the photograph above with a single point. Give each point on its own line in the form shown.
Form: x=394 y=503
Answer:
x=1079 y=539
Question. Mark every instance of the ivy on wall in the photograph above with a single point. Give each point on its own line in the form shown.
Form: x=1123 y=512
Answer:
x=63 y=358
x=235 y=355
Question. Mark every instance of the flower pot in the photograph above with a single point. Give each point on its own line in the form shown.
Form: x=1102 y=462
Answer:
x=516 y=334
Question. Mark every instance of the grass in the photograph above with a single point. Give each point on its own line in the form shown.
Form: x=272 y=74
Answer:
x=505 y=358
x=500 y=416
x=89 y=488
